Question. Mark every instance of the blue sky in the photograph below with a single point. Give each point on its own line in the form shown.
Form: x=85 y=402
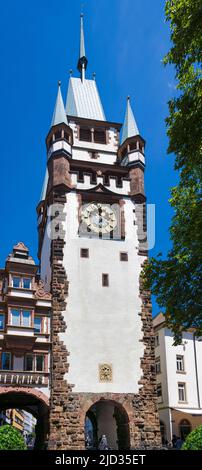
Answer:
x=125 y=43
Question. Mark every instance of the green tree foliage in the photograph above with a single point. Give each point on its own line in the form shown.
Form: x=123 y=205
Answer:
x=194 y=440
x=11 y=438
x=176 y=280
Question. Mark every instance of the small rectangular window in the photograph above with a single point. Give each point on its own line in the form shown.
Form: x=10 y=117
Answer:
x=2 y=322
x=16 y=282
x=180 y=363
x=105 y=280
x=58 y=135
x=26 y=318
x=181 y=392
x=37 y=324
x=133 y=146
x=85 y=134
x=39 y=363
x=84 y=253
x=6 y=361
x=26 y=283
x=29 y=362
x=99 y=136
x=15 y=317
x=123 y=256
x=94 y=155
x=156 y=340
x=66 y=136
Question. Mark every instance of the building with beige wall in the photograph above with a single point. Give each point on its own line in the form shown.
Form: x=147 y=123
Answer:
x=179 y=380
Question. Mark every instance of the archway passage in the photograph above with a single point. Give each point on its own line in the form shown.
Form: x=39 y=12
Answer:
x=33 y=405
x=184 y=428
x=109 y=418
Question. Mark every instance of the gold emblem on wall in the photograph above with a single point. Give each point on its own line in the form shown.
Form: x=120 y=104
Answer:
x=105 y=372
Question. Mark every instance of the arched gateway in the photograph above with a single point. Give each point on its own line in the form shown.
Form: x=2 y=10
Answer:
x=110 y=418
x=32 y=401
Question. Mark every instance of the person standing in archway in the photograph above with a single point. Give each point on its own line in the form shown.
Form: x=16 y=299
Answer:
x=103 y=444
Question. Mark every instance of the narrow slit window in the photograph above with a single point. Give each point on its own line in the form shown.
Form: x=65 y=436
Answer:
x=58 y=135
x=105 y=280
x=85 y=134
x=66 y=137
x=99 y=136
x=123 y=256
x=84 y=253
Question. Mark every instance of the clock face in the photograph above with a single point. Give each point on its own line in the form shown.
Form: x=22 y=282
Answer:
x=99 y=218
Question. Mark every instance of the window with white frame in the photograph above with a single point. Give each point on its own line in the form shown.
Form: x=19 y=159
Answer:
x=2 y=321
x=16 y=281
x=6 y=361
x=158 y=365
x=181 y=391
x=180 y=363
x=21 y=282
x=20 y=317
x=38 y=325
x=26 y=283
x=34 y=362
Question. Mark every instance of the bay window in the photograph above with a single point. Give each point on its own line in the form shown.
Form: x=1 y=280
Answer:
x=20 y=317
x=16 y=281
x=21 y=282
x=26 y=283
x=37 y=325
x=26 y=318
x=15 y=317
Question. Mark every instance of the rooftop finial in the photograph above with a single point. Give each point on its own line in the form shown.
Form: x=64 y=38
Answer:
x=82 y=62
x=82 y=7
x=59 y=82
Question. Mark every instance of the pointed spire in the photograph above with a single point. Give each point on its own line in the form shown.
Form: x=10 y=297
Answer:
x=130 y=128
x=82 y=62
x=82 y=44
x=59 y=114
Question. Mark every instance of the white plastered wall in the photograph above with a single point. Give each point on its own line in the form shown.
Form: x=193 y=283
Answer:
x=103 y=323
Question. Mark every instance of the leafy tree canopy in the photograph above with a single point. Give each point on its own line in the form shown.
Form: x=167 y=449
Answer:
x=176 y=281
x=193 y=440
x=11 y=438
